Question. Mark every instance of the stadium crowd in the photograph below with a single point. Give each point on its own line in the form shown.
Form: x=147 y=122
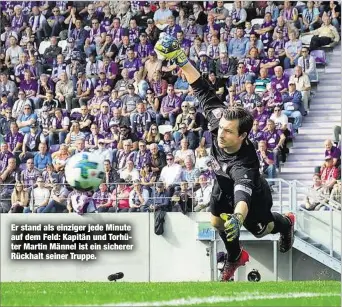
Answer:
x=83 y=76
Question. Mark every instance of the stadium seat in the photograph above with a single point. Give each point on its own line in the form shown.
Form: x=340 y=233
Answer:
x=164 y=128
x=43 y=45
x=319 y=56
x=288 y=72
x=229 y=7
x=257 y=22
x=54 y=148
x=306 y=39
x=62 y=44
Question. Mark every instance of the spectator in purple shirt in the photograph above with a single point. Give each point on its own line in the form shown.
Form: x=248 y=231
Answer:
x=261 y=115
x=143 y=48
x=143 y=156
x=183 y=42
x=132 y=64
x=30 y=87
x=14 y=139
x=101 y=197
x=266 y=160
x=256 y=134
x=5 y=154
x=332 y=151
x=270 y=62
x=173 y=28
x=170 y=107
x=280 y=81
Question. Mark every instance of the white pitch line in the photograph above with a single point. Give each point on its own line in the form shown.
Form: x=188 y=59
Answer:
x=221 y=299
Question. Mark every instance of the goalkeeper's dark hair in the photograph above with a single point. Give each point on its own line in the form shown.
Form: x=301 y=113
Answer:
x=244 y=117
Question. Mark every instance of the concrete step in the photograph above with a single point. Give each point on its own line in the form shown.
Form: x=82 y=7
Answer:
x=297 y=169
x=303 y=163
x=315 y=117
x=318 y=126
x=313 y=158
x=296 y=176
x=326 y=106
x=333 y=70
x=330 y=76
x=311 y=137
x=322 y=111
x=322 y=98
x=309 y=144
x=328 y=88
x=317 y=130
x=310 y=152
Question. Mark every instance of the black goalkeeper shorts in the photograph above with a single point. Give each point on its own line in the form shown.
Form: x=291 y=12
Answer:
x=259 y=214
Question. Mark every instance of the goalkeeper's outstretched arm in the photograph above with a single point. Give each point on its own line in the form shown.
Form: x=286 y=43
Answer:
x=168 y=48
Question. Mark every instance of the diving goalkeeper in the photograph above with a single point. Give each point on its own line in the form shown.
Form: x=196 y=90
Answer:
x=240 y=195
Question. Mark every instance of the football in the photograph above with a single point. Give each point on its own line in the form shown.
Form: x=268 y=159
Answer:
x=85 y=171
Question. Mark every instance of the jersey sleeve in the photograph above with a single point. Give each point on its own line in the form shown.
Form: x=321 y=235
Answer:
x=244 y=183
x=212 y=106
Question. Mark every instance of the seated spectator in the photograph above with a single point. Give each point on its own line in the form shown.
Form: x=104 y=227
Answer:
x=60 y=157
x=147 y=177
x=74 y=135
x=141 y=120
x=14 y=139
x=335 y=196
x=158 y=85
x=293 y=105
x=170 y=107
x=261 y=115
x=278 y=45
x=238 y=80
x=333 y=151
x=152 y=135
x=204 y=64
x=310 y=17
x=168 y=145
x=92 y=140
x=293 y=50
x=249 y=98
x=303 y=85
x=275 y=141
x=184 y=152
x=280 y=120
x=130 y=102
x=318 y=192
x=329 y=173
x=262 y=82
x=50 y=177
x=64 y=91
x=104 y=152
x=237 y=45
x=39 y=198
x=267 y=161
x=266 y=30
x=211 y=29
x=26 y=119
x=197 y=47
x=171 y=172
x=324 y=35
x=19 y=104
x=256 y=43
x=216 y=84
x=239 y=14
x=213 y=49
x=190 y=173
x=5 y=155
x=202 y=195
x=19 y=198
x=143 y=156
x=158 y=159
x=119 y=199
x=256 y=134
x=225 y=66
x=181 y=86
x=30 y=143
x=58 y=199
x=160 y=198
x=129 y=173
x=181 y=200
x=271 y=98
x=308 y=64
x=101 y=197
x=269 y=62
x=59 y=127
x=138 y=198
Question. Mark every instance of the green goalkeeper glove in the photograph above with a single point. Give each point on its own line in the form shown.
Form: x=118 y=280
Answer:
x=168 y=48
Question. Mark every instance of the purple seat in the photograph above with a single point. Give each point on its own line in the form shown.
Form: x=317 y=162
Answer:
x=54 y=148
x=289 y=72
x=319 y=56
x=22 y=166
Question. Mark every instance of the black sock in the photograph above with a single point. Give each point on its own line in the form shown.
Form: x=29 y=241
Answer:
x=233 y=248
x=281 y=223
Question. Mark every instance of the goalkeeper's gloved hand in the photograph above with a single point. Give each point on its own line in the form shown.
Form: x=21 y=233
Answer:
x=168 y=48
x=232 y=225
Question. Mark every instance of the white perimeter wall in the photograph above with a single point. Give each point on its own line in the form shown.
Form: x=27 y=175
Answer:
x=174 y=256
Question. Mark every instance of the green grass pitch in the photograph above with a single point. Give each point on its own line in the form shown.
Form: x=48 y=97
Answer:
x=309 y=293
